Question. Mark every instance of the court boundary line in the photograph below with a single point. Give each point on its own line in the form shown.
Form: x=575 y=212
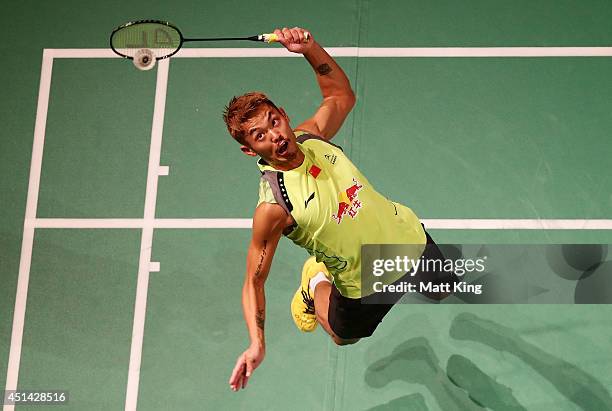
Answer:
x=374 y=52
x=27 y=243
x=240 y=223
x=146 y=243
x=31 y=223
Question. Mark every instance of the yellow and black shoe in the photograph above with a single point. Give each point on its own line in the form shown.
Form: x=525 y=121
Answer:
x=302 y=305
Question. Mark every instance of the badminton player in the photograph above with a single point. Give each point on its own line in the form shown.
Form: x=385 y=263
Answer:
x=311 y=193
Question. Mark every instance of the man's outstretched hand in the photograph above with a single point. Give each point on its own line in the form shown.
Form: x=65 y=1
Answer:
x=245 y=365
x=296 y=40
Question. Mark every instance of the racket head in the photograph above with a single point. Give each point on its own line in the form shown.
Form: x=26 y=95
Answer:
x=161 y=37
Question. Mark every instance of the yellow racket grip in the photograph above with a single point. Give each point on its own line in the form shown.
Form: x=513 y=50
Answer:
x=273 y=38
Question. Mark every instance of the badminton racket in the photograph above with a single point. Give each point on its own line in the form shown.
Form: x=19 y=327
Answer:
x=163 y=39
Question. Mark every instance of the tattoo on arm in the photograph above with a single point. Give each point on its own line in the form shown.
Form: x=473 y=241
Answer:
x=261 y=319
x=261 y=258
x=324 y=69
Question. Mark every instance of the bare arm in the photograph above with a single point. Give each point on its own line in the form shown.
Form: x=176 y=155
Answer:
x=269 y=222
x=338 y=96
x=268 y=225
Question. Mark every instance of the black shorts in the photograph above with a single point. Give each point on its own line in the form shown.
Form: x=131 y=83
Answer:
x=356 y=318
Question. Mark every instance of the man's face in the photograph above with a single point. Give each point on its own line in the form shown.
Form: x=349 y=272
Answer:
x=269 y=135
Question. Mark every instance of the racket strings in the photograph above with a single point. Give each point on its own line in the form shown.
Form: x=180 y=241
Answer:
x=160 y=39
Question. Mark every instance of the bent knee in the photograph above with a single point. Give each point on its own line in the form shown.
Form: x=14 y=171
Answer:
x=344 y=341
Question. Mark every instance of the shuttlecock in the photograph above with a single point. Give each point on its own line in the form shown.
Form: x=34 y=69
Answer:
x=144 y=59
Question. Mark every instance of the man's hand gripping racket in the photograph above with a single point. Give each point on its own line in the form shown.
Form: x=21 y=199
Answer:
x=296 y=40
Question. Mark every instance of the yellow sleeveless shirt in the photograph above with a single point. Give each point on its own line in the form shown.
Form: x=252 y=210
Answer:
x=336 y=211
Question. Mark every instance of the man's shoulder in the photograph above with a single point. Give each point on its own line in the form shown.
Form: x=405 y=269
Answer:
x=270 y=218
x=308 y=139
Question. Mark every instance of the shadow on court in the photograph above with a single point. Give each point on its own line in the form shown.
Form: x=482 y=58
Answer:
x=464 y=386
x=415 y=362
x=572 y=382
x=412 y=402
x=585 y=264
x=480 y=387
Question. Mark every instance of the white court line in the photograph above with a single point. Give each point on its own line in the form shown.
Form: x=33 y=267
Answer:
x=146 y=244
x=517 y=224
x=438 y=224
x=12 y=374
x=360 y=52
x=406 y=52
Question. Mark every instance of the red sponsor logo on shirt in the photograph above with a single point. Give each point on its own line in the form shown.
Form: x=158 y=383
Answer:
x=348 y=202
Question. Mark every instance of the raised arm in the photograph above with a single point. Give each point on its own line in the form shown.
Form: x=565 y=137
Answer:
x=338 y=96
x=269 y=221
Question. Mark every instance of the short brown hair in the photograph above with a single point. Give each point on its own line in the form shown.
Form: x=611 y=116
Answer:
x=240 y=109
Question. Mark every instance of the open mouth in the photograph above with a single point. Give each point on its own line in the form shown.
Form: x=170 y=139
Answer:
x=282 y=147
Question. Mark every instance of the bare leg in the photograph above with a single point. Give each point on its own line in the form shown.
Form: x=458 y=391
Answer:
x=321 y=297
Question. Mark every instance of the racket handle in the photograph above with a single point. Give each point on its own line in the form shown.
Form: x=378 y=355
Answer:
x=273 y=38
